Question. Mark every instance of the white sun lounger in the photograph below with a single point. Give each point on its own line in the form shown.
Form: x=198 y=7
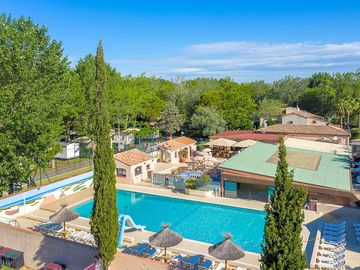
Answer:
x=220 y=266
x=333 y=239
x=325 y=259
x=331 y=253
x=336 y=247
x=323 y=265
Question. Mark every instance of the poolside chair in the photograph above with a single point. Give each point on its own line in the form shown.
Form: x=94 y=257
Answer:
x=220 y=266
x=205 y=265
x=140 y=249
x=325 y=259
x=191 y=262
x=334 y=233
x=323 y=265
x=333 y=239
x=175 y=261
x=240 y=268
x=334 y=247
x=151 y=252
x=330 y=253
x=335 y=225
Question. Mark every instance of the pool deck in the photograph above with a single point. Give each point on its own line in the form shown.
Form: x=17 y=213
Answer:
x=250 y=261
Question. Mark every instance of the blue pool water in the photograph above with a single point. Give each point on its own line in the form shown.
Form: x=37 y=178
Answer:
x=199 y=221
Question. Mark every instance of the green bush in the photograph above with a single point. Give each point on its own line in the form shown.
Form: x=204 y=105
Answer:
x=191 y=184
x=205 y=180
x=355 y=133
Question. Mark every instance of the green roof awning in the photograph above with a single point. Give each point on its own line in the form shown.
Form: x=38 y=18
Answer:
x=331 y=171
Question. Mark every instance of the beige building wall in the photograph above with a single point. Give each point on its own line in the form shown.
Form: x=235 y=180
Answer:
x=299 y=120
x=131 y=176
x=293 y=119
x=173 y=156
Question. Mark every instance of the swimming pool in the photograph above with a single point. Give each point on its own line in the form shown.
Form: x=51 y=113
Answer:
x=199 y=221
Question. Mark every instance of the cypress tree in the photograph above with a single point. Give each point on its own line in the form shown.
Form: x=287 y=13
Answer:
x=104 y=219
x=282 y=247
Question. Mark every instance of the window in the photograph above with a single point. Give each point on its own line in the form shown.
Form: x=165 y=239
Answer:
x=175 y=154
x=138 y=170
x=120 y=172
x=148 y=167
x=314 y=121
x=290 y=122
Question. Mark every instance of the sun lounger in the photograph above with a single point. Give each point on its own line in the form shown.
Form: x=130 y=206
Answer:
x=191 y=262
x=49 y=228
x=331 y=253
x=333 y=230
x=333 y=235
x=151 y=252
x=140 y=249
x=338 y=232
x=220 y=266
x=240 y=268
x=335 y=225
x=175 y=261
x=335 y=247
x=205 y=265
x=333 y=239
x=323 y=265
x=325 y=259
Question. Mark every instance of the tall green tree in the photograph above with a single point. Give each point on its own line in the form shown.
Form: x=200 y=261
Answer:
x=234 y=103
x=282 y=248
x=171 y=119
x=33 y=72
x=269 y=108
x=288 y=90
x=104 y=219
x=208 y=121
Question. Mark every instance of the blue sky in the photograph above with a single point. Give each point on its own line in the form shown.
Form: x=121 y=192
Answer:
x=246 y=40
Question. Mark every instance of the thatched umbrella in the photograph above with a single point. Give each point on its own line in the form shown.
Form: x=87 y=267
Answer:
x=165 y=238
x=226 y=250
x=62 y=216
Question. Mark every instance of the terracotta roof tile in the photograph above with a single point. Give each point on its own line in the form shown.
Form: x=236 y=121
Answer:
x=305 y=129
x=132 y=157
x=240 y=135
x=177 y=143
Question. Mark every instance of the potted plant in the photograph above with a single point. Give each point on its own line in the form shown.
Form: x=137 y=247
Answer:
x=197 y=187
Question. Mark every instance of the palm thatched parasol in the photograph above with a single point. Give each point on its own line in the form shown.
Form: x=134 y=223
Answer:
x=226 y=250
x=165 y=238
x=62 y=216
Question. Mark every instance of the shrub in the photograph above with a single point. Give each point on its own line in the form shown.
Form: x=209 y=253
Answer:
x=192 y=183
x=205 y=180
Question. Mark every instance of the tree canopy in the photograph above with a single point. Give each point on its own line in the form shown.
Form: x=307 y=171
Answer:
x=44 y=100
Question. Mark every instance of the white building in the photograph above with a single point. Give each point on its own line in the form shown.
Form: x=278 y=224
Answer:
x=69 y=150
x=122 y=139
x=295 y=116
x=134 y=166
x=177 y=150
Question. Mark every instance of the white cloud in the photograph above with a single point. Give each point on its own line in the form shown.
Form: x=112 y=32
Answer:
x=237 y=58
